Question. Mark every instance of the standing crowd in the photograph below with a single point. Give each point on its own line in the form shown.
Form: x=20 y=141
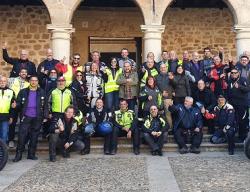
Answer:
x=71 y=102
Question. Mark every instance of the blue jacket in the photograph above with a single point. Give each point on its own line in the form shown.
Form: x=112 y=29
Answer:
x=179 y=111
x=223 y=116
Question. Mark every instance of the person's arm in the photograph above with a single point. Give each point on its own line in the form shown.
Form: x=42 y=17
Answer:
x=244 y=86
x=32 y=69
x=146 y=127
x=231 y=117
x=73 y=135
x=121 y=80
x=199 y=122
x=8 y=59
x=134 y=79
x=212 y=101
x=48 y=105
x=188 y=87
x=143 y=95
x=115 y=123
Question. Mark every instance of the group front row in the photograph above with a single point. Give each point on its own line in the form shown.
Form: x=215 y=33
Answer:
x=68 y=128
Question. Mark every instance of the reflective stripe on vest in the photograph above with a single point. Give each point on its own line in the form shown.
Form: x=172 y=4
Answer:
x=154 y=72
x=111 y=84
x=69 y=74
x=5 y=100
x=124 y=119
x=60 y=100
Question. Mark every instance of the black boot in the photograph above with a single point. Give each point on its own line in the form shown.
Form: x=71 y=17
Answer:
x=65 y=154
x=136 y=151
x=32 y=157
x=52 y=158
x=18 y=156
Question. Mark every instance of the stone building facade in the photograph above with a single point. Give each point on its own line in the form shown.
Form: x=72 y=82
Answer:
x=60 y=24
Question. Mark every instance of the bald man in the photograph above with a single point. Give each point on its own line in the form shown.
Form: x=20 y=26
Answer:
x=46 y=66
x=19 y=63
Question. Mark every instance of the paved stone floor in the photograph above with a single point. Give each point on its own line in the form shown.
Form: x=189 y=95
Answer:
x=222 y=174
x=209 y=171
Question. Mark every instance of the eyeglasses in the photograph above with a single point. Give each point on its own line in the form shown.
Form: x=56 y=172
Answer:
x=234 y=72
x=77 y=58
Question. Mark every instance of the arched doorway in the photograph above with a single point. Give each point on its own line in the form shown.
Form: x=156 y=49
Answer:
x=23 y=26
x=107 y=26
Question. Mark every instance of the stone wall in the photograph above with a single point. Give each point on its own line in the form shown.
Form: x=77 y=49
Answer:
x=191 y=29
x=195 y=29
x=24 y=28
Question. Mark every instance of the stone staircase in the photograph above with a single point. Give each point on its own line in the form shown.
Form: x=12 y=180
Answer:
x=125 y=146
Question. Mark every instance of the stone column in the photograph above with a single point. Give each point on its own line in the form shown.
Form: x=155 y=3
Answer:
x=61 y=37
x=242 y=39
x=152 y=39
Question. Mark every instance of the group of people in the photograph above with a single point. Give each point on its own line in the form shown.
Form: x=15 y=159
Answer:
x=73 y=102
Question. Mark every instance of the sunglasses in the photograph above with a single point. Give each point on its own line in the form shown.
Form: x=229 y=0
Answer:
x=234 y=72
x=78 y=58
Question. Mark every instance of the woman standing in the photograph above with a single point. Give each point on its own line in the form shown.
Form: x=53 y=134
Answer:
x=94 y=84
x=111 y=87
x=181 y=85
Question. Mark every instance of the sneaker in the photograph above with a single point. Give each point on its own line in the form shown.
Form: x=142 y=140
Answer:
x=11 y=144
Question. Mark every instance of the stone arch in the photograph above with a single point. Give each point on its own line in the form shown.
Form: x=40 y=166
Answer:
x=232 y=5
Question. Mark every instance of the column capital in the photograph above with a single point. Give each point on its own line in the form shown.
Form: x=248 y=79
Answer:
x=242 y=27
x=153 y=28
x=68 y=28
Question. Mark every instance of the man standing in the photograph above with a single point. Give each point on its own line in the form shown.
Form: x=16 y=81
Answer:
x=46 y=66
x=128 y=82
x=95 y=56
x=16 y=84
x=125 y=58
x=238 y=88
x=18 y=64
x=187 y=125
x=59 y=99
x=7 y=103
x=155 y=131
x=30 y=101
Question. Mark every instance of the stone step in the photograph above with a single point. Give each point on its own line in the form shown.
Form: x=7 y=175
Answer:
x=124 y=140
x=169 y=147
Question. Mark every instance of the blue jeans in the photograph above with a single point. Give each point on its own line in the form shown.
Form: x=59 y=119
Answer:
x=4 y=129
x=112 y=101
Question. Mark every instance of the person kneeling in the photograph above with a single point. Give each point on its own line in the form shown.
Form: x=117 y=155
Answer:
x=155 y=131
x=188 y=125
x=224 y=116
x=64 y=134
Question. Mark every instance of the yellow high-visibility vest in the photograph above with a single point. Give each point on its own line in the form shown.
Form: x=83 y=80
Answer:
x=5 y=100
x=111 y=84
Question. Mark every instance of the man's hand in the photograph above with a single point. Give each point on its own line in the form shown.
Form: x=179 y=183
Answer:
x=222 y=75
x=128 y=80
x=66 y=145
x=10 y=121
x=154 y=133
x=61 y=128
x=203 y=110
x=125 y=129
x=236 y=85
x=13 y=105
x=50 y=116
x=196 y=129
x=4 y=46
x=150 y=97
x=129 y=134
x=158 y=134
x=221 y=49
